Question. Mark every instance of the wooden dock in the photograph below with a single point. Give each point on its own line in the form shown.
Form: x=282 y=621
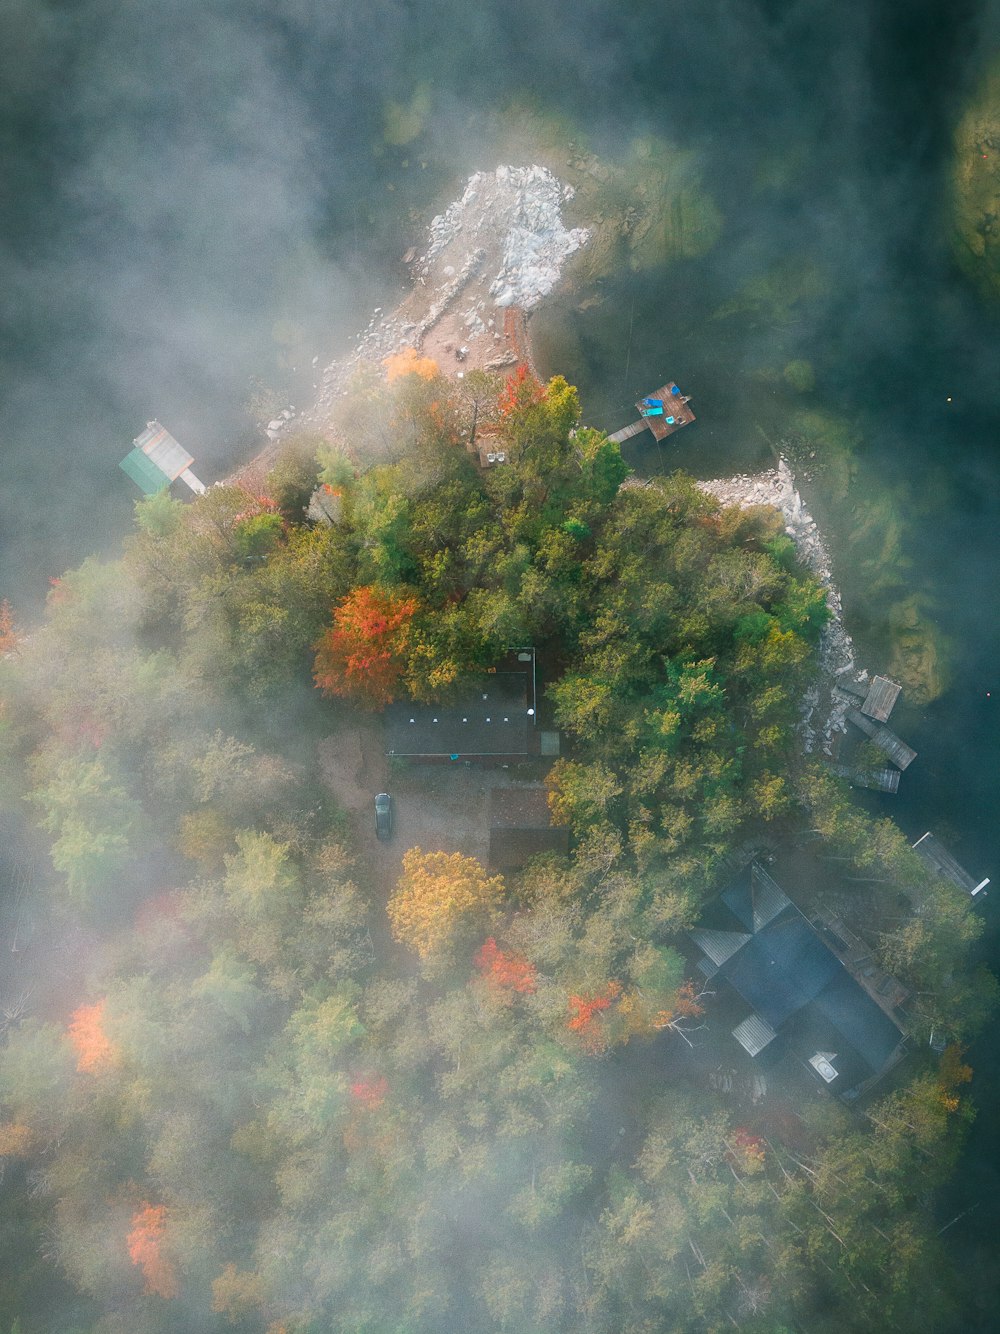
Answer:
x=878 y=780
x=882 y=695
x=676 y=413
x=940 y=859
x=883 y=737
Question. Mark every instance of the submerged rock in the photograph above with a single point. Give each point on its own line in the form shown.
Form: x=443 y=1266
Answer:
x=976 y=186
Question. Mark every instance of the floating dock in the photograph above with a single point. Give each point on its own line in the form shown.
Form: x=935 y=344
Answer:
x=664 y=411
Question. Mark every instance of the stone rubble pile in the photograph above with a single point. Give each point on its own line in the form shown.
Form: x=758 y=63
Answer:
x=521 y=207
x=824 y=706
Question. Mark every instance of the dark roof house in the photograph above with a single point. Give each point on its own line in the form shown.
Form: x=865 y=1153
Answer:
x=491 y=719
x=521 y=827
x=757 y=942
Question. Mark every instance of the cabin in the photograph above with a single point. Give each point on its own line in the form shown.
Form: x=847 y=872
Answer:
x=489 y=718
x=939 y=859
x=521 y=827
x=798 y=995
x=662 y=412
x=157 y=459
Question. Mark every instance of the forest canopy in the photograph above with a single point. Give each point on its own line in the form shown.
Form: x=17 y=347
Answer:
x=262 y=1095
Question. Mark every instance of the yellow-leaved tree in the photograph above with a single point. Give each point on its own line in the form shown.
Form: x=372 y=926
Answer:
x=439 y=893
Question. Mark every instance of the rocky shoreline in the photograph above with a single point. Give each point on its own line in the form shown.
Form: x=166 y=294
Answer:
x=824 y=708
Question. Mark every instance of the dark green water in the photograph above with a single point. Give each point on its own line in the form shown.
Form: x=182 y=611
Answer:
x=159 y=215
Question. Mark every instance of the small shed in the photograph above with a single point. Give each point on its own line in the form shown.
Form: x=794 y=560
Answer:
x=521 y=826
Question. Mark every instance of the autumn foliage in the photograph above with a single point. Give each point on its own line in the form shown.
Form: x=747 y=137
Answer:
x=685 y=1006
x=506 y=972
x=370 y=1093
x=16 y=1139
x=408 y=361
x=363 y=654
x=8 y=633
x=747 y=1151
x=520 y=389
x=952 y=1072
x=585 y=1012
x=95 y=1052
x=145 y=1248
x=436 y=893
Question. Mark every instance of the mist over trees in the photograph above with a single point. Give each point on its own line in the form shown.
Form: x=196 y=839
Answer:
x=258 y=1094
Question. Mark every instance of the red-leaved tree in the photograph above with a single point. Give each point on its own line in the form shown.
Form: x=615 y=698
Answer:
x=506 y=971
x=363 y=654
x=145 y=1248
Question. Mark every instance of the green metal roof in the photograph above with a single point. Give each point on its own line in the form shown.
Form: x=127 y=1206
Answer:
x=146 y=475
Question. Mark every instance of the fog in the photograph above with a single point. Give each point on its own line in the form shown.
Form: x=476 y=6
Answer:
x=179 y=177
x=200 y=197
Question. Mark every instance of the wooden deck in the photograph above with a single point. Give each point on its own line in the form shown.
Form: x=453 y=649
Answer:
x=887 y=993
x=941 y=860
x=676 y=413
x=882 y=695
x=883 y=737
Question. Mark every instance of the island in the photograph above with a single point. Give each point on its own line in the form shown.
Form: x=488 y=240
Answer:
x=624 y=1017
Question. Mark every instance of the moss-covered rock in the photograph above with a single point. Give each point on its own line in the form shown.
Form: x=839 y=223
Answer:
x=976 y=186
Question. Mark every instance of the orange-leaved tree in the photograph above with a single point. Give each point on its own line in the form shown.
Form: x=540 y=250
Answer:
x=145 y=1248
x=438 y=893
x=408 y=361
x=95 y=1052
x=504 y=971
x=364 y=653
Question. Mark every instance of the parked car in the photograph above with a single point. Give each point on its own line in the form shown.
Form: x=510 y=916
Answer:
x=383 y=817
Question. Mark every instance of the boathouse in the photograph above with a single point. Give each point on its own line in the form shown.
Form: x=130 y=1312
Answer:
x=797 y=994
x=157 y=459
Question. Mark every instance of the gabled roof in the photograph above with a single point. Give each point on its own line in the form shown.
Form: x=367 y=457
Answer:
x=146 y=475
x=754 y=1034
x=757 y=902
x=782 y=967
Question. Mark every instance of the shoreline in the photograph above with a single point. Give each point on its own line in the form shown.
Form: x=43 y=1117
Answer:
x=488 y=261
x=825 y=705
